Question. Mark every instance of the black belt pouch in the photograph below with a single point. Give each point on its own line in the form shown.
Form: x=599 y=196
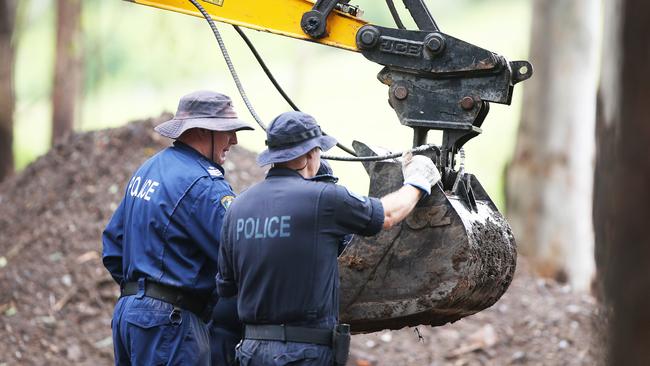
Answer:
x=341 y=344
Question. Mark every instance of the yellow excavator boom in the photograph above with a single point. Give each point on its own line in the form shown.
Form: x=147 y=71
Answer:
x=275 y=16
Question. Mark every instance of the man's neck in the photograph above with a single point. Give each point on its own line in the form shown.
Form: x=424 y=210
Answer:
x=197 y=145
x=294 y=165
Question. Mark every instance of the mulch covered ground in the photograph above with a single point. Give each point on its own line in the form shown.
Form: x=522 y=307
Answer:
x=536 y=322
x=56 y=299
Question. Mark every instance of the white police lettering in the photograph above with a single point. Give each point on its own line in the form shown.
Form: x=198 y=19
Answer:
x=141 y=190
x=268 y=227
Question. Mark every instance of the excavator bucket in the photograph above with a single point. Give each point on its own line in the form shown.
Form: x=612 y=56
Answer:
x=453 y=256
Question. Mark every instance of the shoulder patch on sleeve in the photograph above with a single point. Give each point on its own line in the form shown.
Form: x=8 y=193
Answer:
x=354 y=195
x=226 y=201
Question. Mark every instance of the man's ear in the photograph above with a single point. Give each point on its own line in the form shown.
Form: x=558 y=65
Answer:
x=312 y=153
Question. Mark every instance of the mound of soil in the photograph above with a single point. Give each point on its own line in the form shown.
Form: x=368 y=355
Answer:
x=56 y=298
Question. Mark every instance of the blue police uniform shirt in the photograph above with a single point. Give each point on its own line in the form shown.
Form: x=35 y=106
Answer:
x=279 y=248
x=167 y=226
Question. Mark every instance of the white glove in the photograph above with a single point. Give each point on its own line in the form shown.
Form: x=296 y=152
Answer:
x=419 y=171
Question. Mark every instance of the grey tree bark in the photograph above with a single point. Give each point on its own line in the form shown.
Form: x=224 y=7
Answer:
x=7 y=96
x=67 y=68
x=622 y=176
x=549 y=181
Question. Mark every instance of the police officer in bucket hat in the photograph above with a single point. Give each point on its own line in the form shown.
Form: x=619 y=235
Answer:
x=280 y=241
x=161 y=245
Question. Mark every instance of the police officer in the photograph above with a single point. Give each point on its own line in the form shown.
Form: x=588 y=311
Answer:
x=161 y=245
x=280 y=240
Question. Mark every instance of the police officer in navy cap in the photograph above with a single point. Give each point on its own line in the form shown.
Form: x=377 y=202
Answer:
x=161 y=245
x=280 y=240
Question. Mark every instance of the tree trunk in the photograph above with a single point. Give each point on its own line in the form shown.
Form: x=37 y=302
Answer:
x=549 y=182
x=67 y=68
x=7 y=97
x=621 y=194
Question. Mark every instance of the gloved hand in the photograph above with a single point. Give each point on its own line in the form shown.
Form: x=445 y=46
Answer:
x=419 y=171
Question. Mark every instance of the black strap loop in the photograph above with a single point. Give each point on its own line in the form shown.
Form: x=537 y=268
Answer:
x=286 y=141
x=288 y=333
x=172 y=295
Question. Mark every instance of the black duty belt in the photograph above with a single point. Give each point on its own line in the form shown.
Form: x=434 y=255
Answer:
x=288 y=333
x=172 y=295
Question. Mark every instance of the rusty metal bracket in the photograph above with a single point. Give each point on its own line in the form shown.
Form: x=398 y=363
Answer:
x=436 y=81
x=314 y=22
x=439 y=82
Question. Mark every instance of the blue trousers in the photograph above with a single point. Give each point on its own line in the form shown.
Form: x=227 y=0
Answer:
x=275 y=353
x=225 y=332
x=147 y=331
x=222 y=345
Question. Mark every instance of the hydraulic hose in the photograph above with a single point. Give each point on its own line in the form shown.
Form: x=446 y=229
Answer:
x=395 y=14
x=277 y=85
x=257 y=118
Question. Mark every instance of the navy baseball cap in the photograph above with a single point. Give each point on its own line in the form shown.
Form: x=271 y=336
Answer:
x=203 y=109
x=291 y=135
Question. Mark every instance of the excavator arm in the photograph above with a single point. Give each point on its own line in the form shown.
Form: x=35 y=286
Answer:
x=435 y=81
x=455 y=254
x=275 y=16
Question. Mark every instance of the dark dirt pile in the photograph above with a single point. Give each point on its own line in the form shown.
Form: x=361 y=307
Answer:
x=56 y=299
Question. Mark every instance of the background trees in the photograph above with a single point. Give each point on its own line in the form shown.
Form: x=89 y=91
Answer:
x=549 y=180
x=7 y=97
x=67 y=68
x=621 y=193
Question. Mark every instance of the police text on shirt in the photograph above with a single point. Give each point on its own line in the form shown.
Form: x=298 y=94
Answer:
x=268 y=227
x=144 y=190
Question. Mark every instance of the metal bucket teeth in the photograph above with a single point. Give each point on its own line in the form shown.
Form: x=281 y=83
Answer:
x=447 y=260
